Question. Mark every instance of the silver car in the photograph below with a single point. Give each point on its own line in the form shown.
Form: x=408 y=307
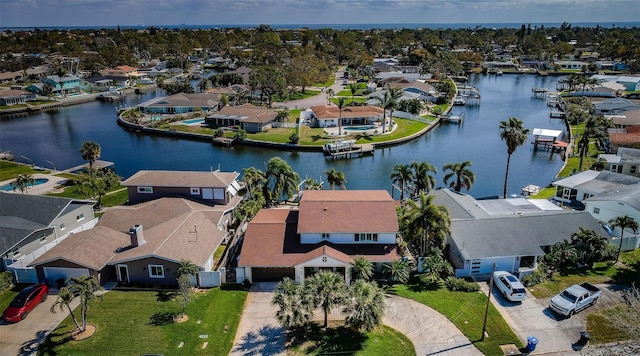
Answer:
x=509 y=286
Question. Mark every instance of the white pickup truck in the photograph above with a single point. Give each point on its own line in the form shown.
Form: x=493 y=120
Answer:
x=575 y=298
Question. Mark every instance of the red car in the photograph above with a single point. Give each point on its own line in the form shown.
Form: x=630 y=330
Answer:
x=25 y=301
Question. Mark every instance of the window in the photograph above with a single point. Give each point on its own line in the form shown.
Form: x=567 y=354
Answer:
x=633 y=169
x=80 y=217
x=145 y=190
x=195 y=191
x=43 y=238
x=62 y=227
x=614 y=167
x=156 y=271
x=366 y=236
x=596 y=210
x=325 y=236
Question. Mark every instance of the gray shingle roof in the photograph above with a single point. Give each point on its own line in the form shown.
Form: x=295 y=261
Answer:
x=629 y=197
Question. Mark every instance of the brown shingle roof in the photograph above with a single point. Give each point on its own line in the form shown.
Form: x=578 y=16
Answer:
x=630 y=138
x=181 y=179
x=335 y=211
x=332 y=111
x=247 y=113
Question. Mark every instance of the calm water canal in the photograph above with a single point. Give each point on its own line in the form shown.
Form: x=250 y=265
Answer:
x=54 y=137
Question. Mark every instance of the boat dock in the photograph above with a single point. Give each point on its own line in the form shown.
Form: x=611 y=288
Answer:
x=454 y=119
x=557 y=115
x=539 y=92
x=549 y=140
x=352 y=152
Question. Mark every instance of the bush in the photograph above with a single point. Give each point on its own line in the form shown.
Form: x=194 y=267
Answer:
x=460 y=285
x=538 y=276
x=6 y=280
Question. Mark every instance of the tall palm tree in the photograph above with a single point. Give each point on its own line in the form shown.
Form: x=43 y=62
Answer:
x=330 y=94
x=385 y=103
x=294 y=306
x=282 y=178
x=514 y=134
x=64 y=300
x=401 y=175
x=365 y=305
x=395 y=94
x=335 y=178
x=90 y=151
x=23 y=182
x=341 y=105
x=353 y=88
x=422 y=180
x=328 y=290
x=361 y=268
x=253 y=179
x=595 y=128
x=623 y=222
x=464 y=177
x=424 y=223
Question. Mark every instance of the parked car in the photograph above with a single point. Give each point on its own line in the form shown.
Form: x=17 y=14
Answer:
x=25 y=302
x=509 y=286
x=575 y=299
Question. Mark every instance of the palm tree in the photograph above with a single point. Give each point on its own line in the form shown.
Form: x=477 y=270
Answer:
x=385 y=103
x=187 y=268
x=294 y=306
x=422 y=180
x=87 y=288
x=328 y=290
x=341 y=104
x=361 y=268
x=623 y=222
x=23 y=182
x=64 y=300
x=514 y=134
x=354 y=90
x=330 y=94
x=595 y=128
x=253 y=180
x=96 y=183
x=424 y=223
x=464 y=177
x=401 y=175
x=281 y=177
x=589 y=246
x=395 y=94
x=335 y=178
x=562 y=251
x=365 y=305
x=90 y=151
x=312 y=184
x=398 y=271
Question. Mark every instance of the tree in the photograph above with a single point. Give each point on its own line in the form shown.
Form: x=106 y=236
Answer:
x=335 y=177
x=328 y=290
x=424 y=223
x=562 y=251
x=623 y=222
x=395 y=94
x=595 y=128
x=295 y=308
x=398 y=271
x=590 y=247
x=365 y=305
x=281 y=178
x=87 y=289
x=64 y=300
x=361 y=268
x=312 y=184
x=185 y=291
x=435 y=266
x=464 y=177
x=388 y=102
x=341 y=105
x=23 y=182
x=353 y=88
x=239 y=135
x=96 y=183
x=253 y=179
x=514 y=134
x=422 y=180
x=90 y=151
x=401 y=175
x=187 y=268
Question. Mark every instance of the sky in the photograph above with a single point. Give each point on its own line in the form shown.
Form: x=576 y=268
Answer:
x=51 y=13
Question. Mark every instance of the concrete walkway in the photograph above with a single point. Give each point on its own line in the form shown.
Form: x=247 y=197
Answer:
x=259 y=333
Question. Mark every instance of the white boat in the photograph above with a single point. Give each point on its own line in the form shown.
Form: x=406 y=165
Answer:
x=459 y=100
x=339 y=145
x=499 y=72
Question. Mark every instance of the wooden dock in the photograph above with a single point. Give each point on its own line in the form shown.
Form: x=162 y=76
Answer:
x=353 y=152
x=557 y=114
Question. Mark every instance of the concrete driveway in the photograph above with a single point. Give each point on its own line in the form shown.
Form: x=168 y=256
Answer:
x=320 y=99
x=533 y=317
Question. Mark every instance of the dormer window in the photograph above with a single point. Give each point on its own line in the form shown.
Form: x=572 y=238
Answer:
x=366 y=237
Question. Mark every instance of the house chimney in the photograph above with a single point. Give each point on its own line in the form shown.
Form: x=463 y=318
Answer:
x=137 y=236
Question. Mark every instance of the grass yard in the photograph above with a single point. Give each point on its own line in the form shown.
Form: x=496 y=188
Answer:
x=7 y=295
x=340 y=340
x=135 y=323
x=278 y=135
x=189 y=128
x=545 y=193
x=601 y=330
x=116 y=195
x=466 y=311
x=297 y=95
x=10 y=170
x=317 y=137
x=626 y=271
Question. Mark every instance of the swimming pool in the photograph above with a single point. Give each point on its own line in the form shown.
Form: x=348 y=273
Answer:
x=193 y=121
x=360 y=128
x=9 y=187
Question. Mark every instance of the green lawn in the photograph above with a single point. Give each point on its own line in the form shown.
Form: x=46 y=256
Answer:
x=340 y=340
x=601 y=330
x=116 y=195
x=135 y=323
x=278 y=135
x=626 y=271
x=296 y=95
x=316 y=136
x=7 y=296
x=10 y=170
x=545 y=193
x=466 y=311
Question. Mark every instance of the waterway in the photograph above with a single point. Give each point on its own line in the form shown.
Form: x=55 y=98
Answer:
x=53 y=138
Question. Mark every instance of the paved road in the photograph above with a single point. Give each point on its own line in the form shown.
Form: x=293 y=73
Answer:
x=320 y=99
x=532 y=317
x=259 y=333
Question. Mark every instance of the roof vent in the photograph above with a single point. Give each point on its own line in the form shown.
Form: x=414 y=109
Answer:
x=325 y=208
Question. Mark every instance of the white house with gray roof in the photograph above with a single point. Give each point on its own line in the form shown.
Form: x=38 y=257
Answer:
x=608 y=206
x=574 y=189
x=512 y=233
x=625 y=161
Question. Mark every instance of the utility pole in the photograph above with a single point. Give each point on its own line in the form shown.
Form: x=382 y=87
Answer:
x=486 y=309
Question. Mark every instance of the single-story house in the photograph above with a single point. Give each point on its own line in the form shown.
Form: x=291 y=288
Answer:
x=625 y=119
x=608 y=206
x=625 y=161
x=329 y=115
x=326 y=232
x=15 y=97
x=581 y=186
x=33 y=224
x=563 y=65
x=627 y=137
x=614 y=106
x=249 y=117
x=120 y=72
x=141 y=244
x=180 y=103
x=512 y=233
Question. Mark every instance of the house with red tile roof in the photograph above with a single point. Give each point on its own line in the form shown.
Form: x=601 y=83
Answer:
x=327 y=230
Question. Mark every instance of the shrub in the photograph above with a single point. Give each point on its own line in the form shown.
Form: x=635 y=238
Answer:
x=6 y=280
x=460 y=285
x=538 y=276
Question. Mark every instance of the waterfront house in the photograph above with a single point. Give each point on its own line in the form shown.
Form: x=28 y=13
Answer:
x=625 y=161
x=625 y=118
x=326 y=232
x=141 y=244
x=328 y=115
x=512 y=233
x=425 y=91
x=571 y=191
x=626 y=137
x=15 y=97
x=605 y=207
x=63 y=85
x=570 y=65
x=630 y=83
x=8 y=77
x=180 y=103
x=33 y=224
x=614 y=106
x=248 y=117
x=120 y=72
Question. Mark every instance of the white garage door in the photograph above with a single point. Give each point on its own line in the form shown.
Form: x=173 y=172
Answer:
x=55 y=273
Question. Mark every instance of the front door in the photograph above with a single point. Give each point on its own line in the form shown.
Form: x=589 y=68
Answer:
x=123 y=273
